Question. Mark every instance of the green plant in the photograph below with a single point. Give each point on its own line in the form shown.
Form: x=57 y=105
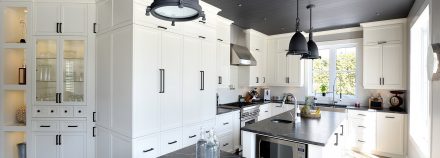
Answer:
x=323 y=88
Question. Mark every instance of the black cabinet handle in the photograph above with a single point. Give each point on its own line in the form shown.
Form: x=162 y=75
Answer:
x=202 y=37
x=94 y=116
x=161 y=27
x=361 y=141
x=337 y=139
x=258 y=80
x=94 y=132
x=38 y=111
x=162 y=81
x=192 y=136
x=94 y=27
x=226 y=144
x=266 y=111
x=151 y=149
x=45 y=126
x=390 y=117
x=202 y=80
x=287 y=79
x=56 y=98
x=220 y=40
x=219 y=80
x=58 y=31
x=361 y=115
x=65 y=111
x=257 y=49
x=226 y=123
x=56 y=140
x=201 y=21
x=361 y=126
x=342 y=128
x=383 y=81
x=264 y=79
x=72 y=126
x=173 y=142
x=61 y=27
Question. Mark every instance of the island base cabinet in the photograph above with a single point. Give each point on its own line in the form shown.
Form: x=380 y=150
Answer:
x=390 y=133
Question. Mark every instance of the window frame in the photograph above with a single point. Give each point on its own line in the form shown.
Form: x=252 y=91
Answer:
x=333 y=46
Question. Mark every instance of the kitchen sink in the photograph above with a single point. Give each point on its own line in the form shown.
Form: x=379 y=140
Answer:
x=281 y=121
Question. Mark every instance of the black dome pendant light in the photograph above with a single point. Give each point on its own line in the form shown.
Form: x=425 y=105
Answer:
x=313 y=48
x=298 y=43
x=176 y=10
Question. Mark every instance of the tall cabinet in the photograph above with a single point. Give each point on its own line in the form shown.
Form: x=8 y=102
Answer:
x=385 y=54
x=255 y=75
x=223 y=52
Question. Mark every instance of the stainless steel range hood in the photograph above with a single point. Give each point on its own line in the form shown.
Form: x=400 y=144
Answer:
x=241 y=56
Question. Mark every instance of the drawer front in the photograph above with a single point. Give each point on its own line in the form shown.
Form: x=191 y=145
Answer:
x=226 y=143
x=72 y=126
x=199 y=31
x=170 y=140
x=208 y=125
x=371 y=116
x=191 y=134
x=147 y=147
x=224 y=123
x=45 y=125
x=80 y=112
x=45 y=111
x=65 y=112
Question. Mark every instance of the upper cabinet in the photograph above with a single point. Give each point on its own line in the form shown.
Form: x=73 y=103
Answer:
x=255 y=75
x=60 y=19
x=223 y=52
x=384 y=56
x=283 y=70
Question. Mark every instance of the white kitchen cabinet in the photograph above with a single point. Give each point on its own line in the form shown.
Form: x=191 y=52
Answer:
x=59 y=144
x=265 y=112
x=60 y=19
x=384 y=55
x=147 y=147
x=199 y=80
x=295 y=71
x=170 y=140
x=227 y=129
x=362 y=129
x=277 y=108
x=223 y=52
x=72 y=145
x=390 y=133
x=255 y=75
x=45 y=145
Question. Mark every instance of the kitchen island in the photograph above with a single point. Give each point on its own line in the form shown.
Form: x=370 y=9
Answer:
x=320 y=138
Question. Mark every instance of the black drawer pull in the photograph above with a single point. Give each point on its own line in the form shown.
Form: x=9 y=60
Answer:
x=94 y=27
x=226 y=123
x=192 y=136
x=361 y=115
x=51 y=111
x=361 y=141
x=226 y=144
x=38 y=111
x=220 y=40
x=151 y=149
x=389 y=117
x=174 y=142
x=79 y=111
x=72 y=126
x=45 y=126
x=201 y=21
x=202 y=37
x=161 y=27
x=266 y=111
x=65 y=111
x=361 y=126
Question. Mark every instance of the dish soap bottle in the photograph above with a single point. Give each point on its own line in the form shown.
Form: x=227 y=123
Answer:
x=201 y=146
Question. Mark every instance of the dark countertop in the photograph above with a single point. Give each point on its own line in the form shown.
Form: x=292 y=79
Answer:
x=223 y=110
x=190 y=152
x=310 y=131
x=363 y=108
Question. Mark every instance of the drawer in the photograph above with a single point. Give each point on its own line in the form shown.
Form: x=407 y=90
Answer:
x=371 y=116
x=199 y=31
x=209 y=125
x=224 y=123
x=65 y=112
x=191 y=134
x=147 y=147
x=72 y=126
x=226 y=143
x=45 y=111
x=80 y=112
x=45 y=125
x=170 y=140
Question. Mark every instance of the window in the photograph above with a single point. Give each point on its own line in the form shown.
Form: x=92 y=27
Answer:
x=338 y=61
x=419 y=84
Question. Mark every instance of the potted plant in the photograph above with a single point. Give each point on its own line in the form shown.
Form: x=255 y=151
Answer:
x=323 y=89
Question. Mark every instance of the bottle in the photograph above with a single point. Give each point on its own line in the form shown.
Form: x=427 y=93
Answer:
x=212 y=146
x=201 y=146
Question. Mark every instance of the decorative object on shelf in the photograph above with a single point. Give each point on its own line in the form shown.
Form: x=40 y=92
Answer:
x=23 y=33
x=323 y=89
x=436 y=68
x=396 y=101
x=298 y=43
x=376 y=102
x=20 y=115
x=22 y=75
x=21 y=150
x=176 y=10
x=311 y=45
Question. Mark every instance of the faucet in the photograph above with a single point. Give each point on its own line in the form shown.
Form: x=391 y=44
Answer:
x=334 y=93
x=296 y=110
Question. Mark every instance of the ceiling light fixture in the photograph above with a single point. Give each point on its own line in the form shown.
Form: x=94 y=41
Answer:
x=298 y=43
x=313 y=48
x=176 y=10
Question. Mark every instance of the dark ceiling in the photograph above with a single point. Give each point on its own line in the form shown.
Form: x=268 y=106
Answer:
x=278 y=16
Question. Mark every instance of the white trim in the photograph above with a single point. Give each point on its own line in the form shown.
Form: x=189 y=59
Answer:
x=224 y=20
x=385 y=22
x=321 y=33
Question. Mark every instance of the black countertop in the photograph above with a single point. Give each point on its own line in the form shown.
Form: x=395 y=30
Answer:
x=309 y=131
x=363 y=108
x=223 y=110
x=190 y=152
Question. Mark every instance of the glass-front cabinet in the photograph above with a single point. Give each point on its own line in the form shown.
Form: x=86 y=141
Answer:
x=60 y=71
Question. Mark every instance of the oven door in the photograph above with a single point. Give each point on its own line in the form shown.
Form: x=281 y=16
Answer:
x=249 y=121
x=268 y=147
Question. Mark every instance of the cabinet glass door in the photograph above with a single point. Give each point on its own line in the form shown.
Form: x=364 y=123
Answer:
x=73 y=70
x=46 y=70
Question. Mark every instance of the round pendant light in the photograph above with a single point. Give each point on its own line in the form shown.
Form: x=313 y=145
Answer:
x=176 y=10
x=298 y=43
x=313 y=48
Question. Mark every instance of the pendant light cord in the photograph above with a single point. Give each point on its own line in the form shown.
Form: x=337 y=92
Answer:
x=297 y=16
x=311 y=28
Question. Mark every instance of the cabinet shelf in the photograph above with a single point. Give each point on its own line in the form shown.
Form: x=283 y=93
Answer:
x=63 y=58
x=14 y=87
x=11 y=139
x=15 y=45
x=64 y=81
x=14 y=128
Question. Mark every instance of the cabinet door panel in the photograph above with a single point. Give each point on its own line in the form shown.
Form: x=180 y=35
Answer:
x=73 y=145
x=295 y=71
x=389 y=33
x=45 y=145
x=372 y=66
x=281 y=76
x=192 y=62
x=46 y=17
x=103 y=78
x=146 y=78
x=223 y=64
x=390 y=133
x=73 y=78
x=208 y=106
x=46 y=70
x=393 y=65
x=74 y=19
x=171 y=99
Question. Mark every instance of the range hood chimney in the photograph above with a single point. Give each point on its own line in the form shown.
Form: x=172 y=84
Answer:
x=240 y=55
